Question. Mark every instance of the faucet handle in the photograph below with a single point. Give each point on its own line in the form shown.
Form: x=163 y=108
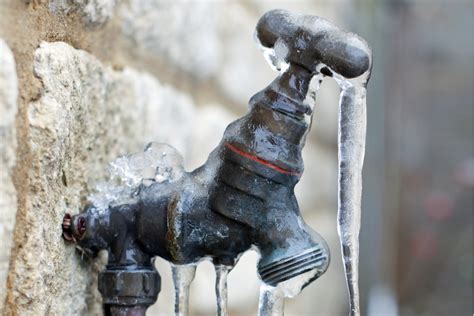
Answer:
x=310 y=40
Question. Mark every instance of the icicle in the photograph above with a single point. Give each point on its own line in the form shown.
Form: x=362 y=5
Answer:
x=156 y=164
x=271 y=301
x=272 y=298
x=221 y=288
x=183 y=275
x=352 y=130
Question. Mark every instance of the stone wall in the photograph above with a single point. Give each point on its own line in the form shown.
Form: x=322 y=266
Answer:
x=8 y=110
x=82 y=82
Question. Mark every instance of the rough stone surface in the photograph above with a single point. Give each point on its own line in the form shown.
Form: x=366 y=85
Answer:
x=87 y=115
x=209 y=125
x=200 y=39
x=183 y=32
x=8 y=110
x=95 y=12
x=194 y=36
x=241 y=56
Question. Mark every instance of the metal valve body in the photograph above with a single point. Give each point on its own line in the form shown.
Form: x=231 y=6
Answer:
x=242 y=197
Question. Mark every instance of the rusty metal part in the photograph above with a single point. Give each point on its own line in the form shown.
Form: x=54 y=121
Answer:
x=67 y=231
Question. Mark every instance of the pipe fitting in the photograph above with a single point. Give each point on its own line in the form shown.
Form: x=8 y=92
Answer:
x=129 y=287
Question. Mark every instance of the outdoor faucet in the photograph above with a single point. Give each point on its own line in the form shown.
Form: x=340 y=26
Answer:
x=243 y=196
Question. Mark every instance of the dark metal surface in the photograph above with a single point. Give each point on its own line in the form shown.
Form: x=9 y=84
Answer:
x=249 y=199
x=129 y=287
x=311 y=41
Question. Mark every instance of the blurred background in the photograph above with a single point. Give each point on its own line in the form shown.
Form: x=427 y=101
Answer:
x=416 y=236
x=194 y=67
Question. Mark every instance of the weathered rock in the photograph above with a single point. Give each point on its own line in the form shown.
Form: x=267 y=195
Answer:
x=209 y=125
x=87 y=115
x=194 y=36
x=95 y=12
x=183 y=32
x=8 y=110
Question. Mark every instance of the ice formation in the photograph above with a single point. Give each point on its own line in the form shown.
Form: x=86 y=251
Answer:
x=183 y=276
x=276 y=56
x=222 y=272
x=272 y=298
x=352 y=130
x=157 y=163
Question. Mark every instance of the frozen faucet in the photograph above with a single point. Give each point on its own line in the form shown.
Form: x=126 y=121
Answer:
x=243 y=196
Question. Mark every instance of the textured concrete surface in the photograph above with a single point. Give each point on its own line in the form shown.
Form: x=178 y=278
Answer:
x=8 y=110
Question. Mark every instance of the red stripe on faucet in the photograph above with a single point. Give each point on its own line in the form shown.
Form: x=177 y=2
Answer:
x=261 y=161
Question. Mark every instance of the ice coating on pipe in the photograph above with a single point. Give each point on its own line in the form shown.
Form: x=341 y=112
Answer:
x=276 y=55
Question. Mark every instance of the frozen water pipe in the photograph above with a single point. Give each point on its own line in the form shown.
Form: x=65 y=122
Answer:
x=243 y=196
